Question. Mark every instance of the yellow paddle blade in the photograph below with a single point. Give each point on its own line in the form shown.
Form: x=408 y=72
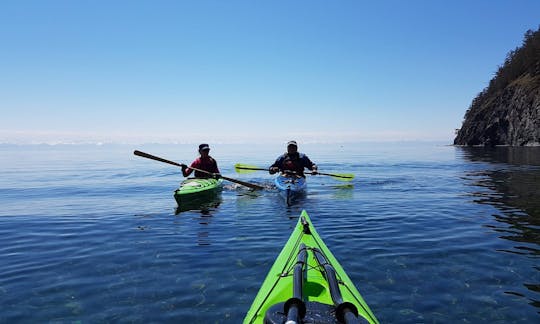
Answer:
x=339 y=176
x=246 y=168
x=344 y=176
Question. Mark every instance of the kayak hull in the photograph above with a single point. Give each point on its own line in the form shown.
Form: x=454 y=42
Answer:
x=290 y=187
x=278 y=288
x=197 y=189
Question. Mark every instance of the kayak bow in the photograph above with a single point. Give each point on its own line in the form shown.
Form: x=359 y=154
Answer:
x=290 y=186
x=306 y=284
x=197 y=189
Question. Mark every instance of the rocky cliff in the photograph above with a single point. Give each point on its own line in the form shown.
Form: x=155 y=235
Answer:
x=507 y=112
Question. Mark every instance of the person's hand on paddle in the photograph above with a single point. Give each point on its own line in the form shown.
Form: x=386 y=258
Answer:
x=216 y=175
x=314 y=170
x=273 y=170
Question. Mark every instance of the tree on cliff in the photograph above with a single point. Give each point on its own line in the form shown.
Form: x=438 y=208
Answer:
x=522 y=60
x=492 y=118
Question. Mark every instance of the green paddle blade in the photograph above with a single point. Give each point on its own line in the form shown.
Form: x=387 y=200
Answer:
x=246 y=168
x=339 y=176
x=344 y=176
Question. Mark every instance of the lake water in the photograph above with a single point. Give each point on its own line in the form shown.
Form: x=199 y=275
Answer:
x=429 y=233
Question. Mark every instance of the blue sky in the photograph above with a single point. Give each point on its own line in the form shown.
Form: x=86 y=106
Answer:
x=239 y=71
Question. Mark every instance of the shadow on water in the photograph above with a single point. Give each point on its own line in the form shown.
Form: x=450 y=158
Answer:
x=512 y=181
x=202 y=209
x=343 y=191
x=204 y=204
x=507 y=155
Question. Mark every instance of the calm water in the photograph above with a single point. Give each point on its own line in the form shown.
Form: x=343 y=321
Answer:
x=429 y=233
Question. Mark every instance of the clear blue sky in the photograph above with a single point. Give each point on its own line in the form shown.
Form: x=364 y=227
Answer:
x=244 y=71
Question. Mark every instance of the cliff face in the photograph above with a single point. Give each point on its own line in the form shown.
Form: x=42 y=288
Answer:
x=507 y=112
x=511 y=117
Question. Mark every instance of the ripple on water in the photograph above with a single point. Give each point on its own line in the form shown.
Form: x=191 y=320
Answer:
x=427 y=234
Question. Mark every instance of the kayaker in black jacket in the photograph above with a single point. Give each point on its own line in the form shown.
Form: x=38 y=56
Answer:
x=293 y=161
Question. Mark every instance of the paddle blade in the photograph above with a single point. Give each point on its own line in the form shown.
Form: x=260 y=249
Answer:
x=339 y=176
x=344 y=176
x=245 y=168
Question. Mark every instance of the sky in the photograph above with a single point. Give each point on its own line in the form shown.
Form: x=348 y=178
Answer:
x=249 y=71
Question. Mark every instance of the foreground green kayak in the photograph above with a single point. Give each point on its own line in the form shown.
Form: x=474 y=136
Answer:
x=306 y=284
x=193 y=189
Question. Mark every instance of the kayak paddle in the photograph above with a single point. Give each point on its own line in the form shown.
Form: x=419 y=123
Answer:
x=339 y=176
x=153 y=157
x=245 y=168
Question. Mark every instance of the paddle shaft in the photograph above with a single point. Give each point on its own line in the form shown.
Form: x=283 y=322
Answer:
x=251 y=168
x=321 y=173
x=156 y=158
x=335 y=175
x=262 y=169
x=153 y=157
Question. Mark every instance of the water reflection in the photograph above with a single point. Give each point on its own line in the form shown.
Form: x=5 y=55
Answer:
x=204 y=204
x=203 y=235
x=508 y=155
x=343 y=191
x=513 y=180
x=510 y=182
x=245 y=198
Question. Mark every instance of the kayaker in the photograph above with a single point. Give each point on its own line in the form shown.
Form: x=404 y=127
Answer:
x=293 y=161
x=204 y=162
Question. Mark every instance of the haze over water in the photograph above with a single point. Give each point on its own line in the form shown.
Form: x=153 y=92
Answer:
x=429 y=233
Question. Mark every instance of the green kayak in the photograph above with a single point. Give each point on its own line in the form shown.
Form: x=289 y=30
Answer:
x=197 y=189
x=306 y=284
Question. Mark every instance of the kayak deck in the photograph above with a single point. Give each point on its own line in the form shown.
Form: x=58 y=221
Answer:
x=308 y=283
x=290 y=187
x=197 y=188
